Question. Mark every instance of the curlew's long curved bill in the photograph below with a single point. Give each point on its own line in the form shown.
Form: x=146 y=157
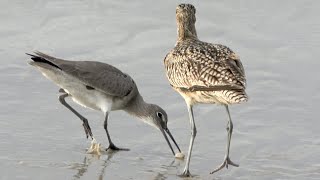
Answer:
x=164 y=131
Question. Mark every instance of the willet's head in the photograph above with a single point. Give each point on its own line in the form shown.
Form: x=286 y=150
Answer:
x=151 y=114
x=158 y=118
x=186 y=19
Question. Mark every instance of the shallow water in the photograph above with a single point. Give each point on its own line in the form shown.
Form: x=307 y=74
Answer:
x=276 y=134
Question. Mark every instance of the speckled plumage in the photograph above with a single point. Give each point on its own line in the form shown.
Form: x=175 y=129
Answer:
x=214 y=69
x=204 y=73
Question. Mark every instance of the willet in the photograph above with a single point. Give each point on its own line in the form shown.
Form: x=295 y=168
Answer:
x=101 y=87
x=203 y=73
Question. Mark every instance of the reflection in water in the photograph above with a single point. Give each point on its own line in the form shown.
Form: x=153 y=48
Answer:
x=164 y=175
x=82 y=168
x=174 y=169
x=160 y=176
x=105 y=164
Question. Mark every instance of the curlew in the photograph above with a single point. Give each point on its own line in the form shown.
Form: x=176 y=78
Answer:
x=204 y=73
x=101 y=87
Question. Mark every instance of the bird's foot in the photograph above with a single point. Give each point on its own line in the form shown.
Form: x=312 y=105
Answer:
x=225 y=163
x=115 y=148
x=186 y=173
x=87 y=128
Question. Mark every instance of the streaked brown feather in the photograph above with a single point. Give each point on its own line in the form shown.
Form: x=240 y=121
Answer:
x=194 y=65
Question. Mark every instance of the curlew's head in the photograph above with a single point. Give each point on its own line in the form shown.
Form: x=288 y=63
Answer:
x=186 y=12
x=186 y=19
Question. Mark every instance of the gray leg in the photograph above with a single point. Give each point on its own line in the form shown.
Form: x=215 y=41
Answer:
x=227 y=160
x=186 y=172
x=111 y=145
x=85 y=124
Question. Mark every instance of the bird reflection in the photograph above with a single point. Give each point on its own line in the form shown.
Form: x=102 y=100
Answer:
x=164 y=175
x=160 y=176
x=82 y=168
x=168 y=170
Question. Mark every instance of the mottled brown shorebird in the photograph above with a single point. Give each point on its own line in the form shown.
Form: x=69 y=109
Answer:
x=204 y=73
x=101 y=87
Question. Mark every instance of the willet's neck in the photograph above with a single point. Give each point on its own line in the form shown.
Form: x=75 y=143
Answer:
x=138 y=107
x=186 y=29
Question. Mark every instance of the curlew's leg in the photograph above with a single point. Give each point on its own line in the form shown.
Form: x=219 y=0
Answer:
x=227 y=160
x=186 y=172
x=85 y=123
x=111 y=145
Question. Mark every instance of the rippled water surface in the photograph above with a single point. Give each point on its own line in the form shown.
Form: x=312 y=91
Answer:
x=276 y=134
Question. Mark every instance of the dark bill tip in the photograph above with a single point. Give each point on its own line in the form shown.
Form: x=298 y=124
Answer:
x=174 y=141
x=170 y=135
x=165 y=136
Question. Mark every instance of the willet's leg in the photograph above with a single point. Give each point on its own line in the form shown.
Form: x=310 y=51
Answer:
x=186 y=172
x=85 y=124
x=227 y=160
x=111 y=145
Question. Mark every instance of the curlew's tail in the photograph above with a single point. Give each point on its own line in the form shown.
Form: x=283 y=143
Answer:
x=225 y=96
x=234 y=96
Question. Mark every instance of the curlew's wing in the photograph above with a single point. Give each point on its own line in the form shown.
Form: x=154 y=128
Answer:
x=100 y=76
x=204 y=66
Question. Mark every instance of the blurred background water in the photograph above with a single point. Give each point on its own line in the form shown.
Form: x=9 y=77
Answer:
x=276 y=134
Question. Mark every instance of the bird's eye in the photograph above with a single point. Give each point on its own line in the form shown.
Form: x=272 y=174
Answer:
x=159 y=114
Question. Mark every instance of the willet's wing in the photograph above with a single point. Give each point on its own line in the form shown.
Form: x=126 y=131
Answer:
x=97 y=75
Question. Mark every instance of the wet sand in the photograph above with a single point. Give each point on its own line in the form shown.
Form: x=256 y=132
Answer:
x=276 y=134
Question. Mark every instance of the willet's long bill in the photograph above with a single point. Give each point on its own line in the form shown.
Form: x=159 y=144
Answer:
x=203 y=73
x=101 y=87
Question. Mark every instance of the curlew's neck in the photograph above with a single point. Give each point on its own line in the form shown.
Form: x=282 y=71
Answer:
x=186 y=30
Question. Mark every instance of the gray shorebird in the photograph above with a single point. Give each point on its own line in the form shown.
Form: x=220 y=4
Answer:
x=204 y=73
x=101 y=87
